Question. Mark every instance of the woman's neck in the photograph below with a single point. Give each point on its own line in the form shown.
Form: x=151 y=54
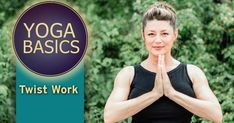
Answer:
x=151 y=63
x=169 y=60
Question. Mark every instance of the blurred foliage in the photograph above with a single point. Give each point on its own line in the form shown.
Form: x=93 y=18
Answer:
x=206 y=39
x=8 y=8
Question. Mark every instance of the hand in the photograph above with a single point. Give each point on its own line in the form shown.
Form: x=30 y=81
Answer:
x=168 y=89
x=158 y=83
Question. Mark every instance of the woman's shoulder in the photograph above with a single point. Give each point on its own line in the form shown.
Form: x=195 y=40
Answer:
x=126 y=74
x=127 y=70
x=195 y=72
x=193 y=68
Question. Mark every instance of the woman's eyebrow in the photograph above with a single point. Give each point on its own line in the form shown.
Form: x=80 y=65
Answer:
x=152 y=30
x=164 y=30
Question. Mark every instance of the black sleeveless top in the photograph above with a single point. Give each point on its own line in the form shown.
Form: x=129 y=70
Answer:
x=163 y=110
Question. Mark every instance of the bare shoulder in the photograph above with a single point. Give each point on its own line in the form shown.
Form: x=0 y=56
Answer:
x=127 y=71
x=125 y=75
x=195 y=73
x=194 y=69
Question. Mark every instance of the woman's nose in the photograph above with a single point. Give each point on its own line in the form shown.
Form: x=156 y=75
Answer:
x=157 y=39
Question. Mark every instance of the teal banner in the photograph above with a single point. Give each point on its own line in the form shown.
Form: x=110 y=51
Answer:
x=50 y=41
x=42 y=99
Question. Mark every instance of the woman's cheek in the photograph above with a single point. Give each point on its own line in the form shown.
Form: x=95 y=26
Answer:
x=147 y=44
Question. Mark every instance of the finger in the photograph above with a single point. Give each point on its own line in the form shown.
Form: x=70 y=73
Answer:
x=163 y=66
x=159 y=61
x=159 y=65
x=159 y=75
x=165 y=76
x=160 y=68
x=162 y=60
x=164 y=72
x=163 y=69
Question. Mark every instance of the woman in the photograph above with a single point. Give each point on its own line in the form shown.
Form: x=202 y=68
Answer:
x=161 y=89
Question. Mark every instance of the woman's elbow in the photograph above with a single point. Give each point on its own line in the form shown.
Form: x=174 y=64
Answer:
x=107 y=117
x=218 y=118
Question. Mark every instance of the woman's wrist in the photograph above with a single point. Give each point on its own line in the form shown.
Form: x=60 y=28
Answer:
x=156 y=94
x=171 y=94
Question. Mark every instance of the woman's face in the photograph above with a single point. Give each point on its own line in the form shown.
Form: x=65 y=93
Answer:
x=159 y=37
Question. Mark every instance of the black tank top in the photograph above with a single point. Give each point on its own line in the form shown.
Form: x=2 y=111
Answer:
x=163 y=110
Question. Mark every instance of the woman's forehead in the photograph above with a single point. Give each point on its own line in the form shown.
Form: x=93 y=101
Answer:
x=158 y=25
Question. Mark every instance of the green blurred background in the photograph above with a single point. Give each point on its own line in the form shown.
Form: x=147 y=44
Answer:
x=206 y=39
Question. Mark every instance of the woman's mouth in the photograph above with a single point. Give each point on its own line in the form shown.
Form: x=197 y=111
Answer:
x=158 y=47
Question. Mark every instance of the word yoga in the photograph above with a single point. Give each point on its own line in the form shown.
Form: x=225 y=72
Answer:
x=50 y=39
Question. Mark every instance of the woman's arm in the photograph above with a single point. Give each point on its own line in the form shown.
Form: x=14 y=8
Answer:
x=206 y=104
x=118 y=107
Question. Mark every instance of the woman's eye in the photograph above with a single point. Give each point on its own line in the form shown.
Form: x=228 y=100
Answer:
x=165 y=34
x=150 y=34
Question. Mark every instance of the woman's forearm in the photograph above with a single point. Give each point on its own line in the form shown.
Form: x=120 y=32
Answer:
x=121 y=110
x=202 y=108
